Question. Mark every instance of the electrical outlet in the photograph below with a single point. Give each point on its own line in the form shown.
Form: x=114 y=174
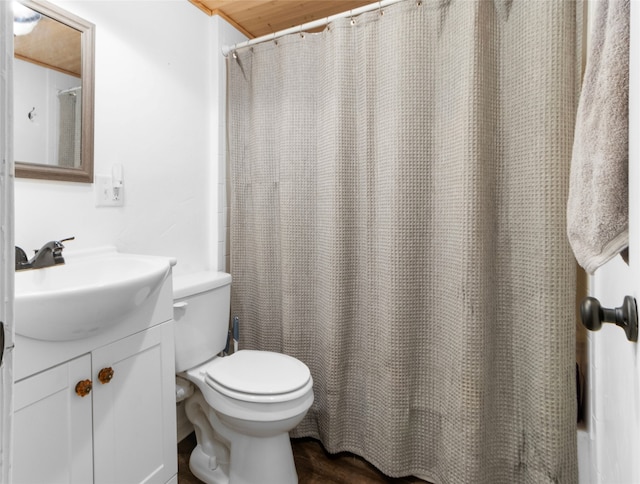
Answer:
x=105 y=197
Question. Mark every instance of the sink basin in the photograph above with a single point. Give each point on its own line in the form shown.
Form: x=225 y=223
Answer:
x=88 y=294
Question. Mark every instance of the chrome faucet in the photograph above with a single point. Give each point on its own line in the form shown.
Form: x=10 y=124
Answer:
x=48 y=255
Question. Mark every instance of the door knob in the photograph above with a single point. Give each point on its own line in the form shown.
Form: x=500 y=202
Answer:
x=626 y=316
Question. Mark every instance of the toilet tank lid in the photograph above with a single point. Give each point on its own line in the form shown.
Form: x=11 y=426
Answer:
x=197 y=282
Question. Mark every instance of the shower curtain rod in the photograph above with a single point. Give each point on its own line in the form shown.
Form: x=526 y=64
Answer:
x=310 y=25
x=70 y=90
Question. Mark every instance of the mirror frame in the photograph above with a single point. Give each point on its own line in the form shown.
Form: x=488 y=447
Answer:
x=84 y=174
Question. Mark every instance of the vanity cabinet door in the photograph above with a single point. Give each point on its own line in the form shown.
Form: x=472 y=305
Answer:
x=134 y=409
x=52 y=426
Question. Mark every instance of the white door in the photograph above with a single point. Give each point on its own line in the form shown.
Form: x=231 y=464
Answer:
x=6 y=235
x=613 y=416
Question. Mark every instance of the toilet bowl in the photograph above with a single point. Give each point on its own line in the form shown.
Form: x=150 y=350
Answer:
x=243 y=405
x=253 y=419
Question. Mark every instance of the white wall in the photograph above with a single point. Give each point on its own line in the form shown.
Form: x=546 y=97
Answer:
x=156 y=112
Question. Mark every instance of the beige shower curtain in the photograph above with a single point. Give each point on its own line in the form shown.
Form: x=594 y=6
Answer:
x=70 y=126
x=397 y=223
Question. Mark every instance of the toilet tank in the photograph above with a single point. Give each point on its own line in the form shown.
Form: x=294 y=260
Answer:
x=201 y=304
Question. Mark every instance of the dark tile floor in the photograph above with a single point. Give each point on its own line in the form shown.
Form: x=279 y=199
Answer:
x=313 y=463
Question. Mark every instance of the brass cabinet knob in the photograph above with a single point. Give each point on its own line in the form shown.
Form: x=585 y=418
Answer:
x=105 y=375
x=83 y=388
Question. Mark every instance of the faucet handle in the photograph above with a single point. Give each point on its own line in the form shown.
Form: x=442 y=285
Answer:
x=54 y=245
x=58 y=244
x=57 y=249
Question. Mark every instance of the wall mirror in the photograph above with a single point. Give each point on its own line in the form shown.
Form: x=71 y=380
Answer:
x=53 y=93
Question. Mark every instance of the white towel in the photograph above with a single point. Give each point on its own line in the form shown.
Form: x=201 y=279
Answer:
x=597 y=208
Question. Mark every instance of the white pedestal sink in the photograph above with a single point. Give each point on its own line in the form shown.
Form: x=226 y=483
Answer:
x=88 y=294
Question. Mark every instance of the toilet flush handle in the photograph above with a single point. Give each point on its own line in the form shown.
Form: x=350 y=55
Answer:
x=180 y=305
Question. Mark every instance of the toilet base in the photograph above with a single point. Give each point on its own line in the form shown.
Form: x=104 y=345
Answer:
x=200 y=466
x=262 y=461
x=225 y=455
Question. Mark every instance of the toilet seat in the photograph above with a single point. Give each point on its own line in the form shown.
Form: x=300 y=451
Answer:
x=259 y=376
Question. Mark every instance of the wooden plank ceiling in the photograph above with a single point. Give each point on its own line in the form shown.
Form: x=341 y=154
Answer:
x=255 y=18
x=51 y=44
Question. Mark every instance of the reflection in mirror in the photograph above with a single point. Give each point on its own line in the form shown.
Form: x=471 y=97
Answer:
x=53 y=93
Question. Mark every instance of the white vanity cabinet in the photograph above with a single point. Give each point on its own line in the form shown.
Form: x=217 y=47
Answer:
x=94 y=371
x=122 y=431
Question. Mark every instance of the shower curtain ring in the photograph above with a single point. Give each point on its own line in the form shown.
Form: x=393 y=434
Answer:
x=380 y=11
x=353 y=21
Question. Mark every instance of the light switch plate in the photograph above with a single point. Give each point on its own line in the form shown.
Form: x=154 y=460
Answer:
x=103 y=187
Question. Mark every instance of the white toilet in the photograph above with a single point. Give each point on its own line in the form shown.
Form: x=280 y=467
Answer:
x=244 y=405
